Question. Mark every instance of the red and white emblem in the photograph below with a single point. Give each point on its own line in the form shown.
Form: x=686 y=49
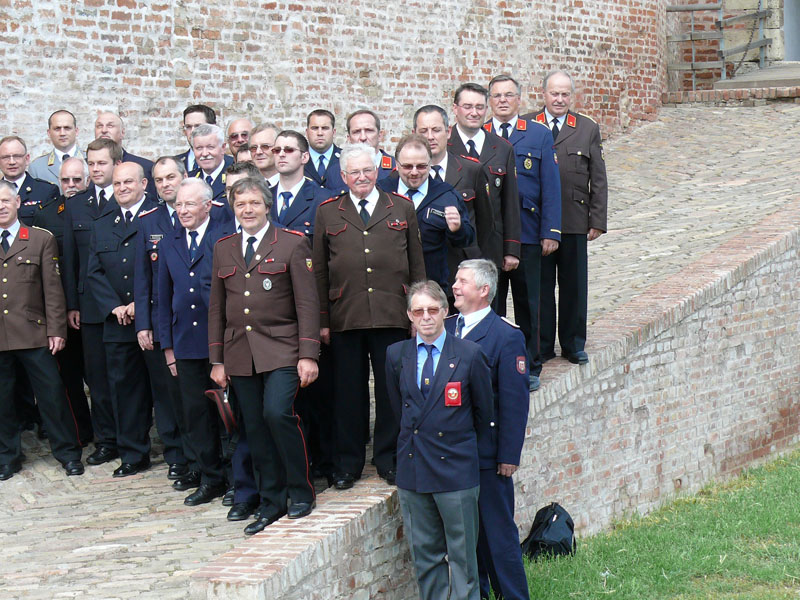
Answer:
x=521 y=365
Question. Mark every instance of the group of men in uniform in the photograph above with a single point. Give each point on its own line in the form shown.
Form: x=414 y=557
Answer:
x=281 y=267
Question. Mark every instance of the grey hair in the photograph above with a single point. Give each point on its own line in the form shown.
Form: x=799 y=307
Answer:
x=73 y=159
x=208 y=193
x=429 y=288
x=206 y=129
x=485 y=273
x=558 y=72
x=352 y=150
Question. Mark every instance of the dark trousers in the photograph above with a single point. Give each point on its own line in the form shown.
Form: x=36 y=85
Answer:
x=275 y=436
x=499 y=554
x=525 y=291
x=42 y=371
x=70 y=367
x=130 y=397
x=199 y=420
x=244 y=482
x=352 y=352
x=315 y=407
x=166 y=396
x=569 y=265
x=96 y=371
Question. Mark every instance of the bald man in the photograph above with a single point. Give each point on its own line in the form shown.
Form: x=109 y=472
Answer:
x=110 y=125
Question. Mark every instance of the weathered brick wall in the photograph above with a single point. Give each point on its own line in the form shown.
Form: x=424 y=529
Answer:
x=692 y=380
x=277 y=60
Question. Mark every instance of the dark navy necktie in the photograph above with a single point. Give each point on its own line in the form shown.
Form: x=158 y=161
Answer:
x=251 y=250
x=193 y=245
x=505 y=127
x=555 y=129
x=321 y=167
x=437 y=173
x=363 y=212
x=175 y=223
x=4 y=243
x=427 y=372
x=128 y=217
x=286 y=197
x=459 y=326
x=473 y=151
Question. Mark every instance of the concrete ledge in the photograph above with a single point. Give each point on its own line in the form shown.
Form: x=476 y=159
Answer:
x=692 y=380
x=732 y=97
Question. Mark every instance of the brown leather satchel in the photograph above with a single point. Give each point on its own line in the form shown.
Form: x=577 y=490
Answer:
x=225 y=408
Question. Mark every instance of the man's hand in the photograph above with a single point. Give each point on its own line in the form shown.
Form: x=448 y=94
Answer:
x=56 y=343
x=548 y=246
x=510 y=262
x=169 y=355
x=122 y=315
x=218 y=376
x=308 y=370
x=452 y=218
x=145 y=338
x=325 y=335
x=130 y=310
x=505 y=470
x=593 y=234
x=74 y=319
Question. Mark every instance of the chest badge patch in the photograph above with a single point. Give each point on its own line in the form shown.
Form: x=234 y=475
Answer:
x=154 y=256
x=452 y=394
x=528 y=163
x=267 y=285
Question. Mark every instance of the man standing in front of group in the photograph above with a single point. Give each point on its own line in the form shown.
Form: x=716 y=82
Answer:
x=584 y=202
x=440 y=391
x=367 y=253
x=263 y=335
x=500 y=440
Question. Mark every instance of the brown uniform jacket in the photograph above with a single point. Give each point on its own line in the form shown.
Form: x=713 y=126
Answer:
x=582 y=167
x=363 y=272
x=32 y=305
x=266 y=314
x=498 y=168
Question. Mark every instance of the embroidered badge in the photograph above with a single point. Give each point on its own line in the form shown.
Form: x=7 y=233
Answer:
x=309 y=266
x=452 y=394
x=60 y=208
x=154 y=256
x=521 y=365
x=267 y=285
x=528 y=163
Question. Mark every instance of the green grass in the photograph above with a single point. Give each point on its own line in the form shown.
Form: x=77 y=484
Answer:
x=734 y=541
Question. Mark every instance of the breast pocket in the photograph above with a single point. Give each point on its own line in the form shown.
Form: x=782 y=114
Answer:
x=578 y=158
x=29 y=268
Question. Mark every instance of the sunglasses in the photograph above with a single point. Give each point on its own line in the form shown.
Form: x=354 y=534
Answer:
x=287 y=150
x=432 y=311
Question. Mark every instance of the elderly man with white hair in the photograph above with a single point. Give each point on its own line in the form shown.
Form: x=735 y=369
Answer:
x=208 y=142
x=367 y=253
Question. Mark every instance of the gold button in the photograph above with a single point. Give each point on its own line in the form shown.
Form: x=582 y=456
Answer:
x=247 y=275
x=247 y=293
x=27 y=262
x=441 y=457
x=247 y=311
x=5 y=312
x=124 y=276
x=5 y=295
x=366 y=250
x=369 y=269
x=440 y=434
x=366 y=233
x=5 y=280
x=39 y=321
x=125 y=244
x=410 y=455
x=369 y=290
x=533 y=209
x=5 y=265
x=248 y=328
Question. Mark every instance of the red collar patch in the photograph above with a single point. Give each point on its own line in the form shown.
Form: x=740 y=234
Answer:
x=522 y=125
x=488 y=126
x=540 y=118
x=24 y=234
x=386 y=162
x=571 y=120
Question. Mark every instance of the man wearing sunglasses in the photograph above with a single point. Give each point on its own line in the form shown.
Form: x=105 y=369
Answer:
x=367 y=253
x=262 y=139
x=239 y=135
x=208 y=142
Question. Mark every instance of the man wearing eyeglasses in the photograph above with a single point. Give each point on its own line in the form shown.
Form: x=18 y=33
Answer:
x=468 y=138
x=239 y=135
x=367 y=253
x=33 y=192
x=62 y=129
x=262 y=139
x=540 y=210
x=441 y=214
x=320 y=129
x=194 y=116
x=208 y=142
x=440 y=392
x=364 y=127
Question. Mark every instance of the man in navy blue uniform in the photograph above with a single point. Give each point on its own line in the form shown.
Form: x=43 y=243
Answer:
x=295 y=198
x=111 y=277
x=184 y=282
x=14 y=160
x=500 y=440
x=194 y=116
x=208 y=142
x=109 y=125
x=83 y=312
x=441 y=392
x=441 y=213
x=320 y=129
x=364 y=127
x=539 y=207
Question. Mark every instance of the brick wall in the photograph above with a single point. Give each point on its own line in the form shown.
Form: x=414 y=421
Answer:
x=692 y=380
x=277 y=60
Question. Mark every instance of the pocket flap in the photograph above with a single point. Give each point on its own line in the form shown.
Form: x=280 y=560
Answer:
x=496 y=170
x=468 y=195
x=397 y=225
x=335 y=293
x=28 y=260
x=578 y=151
x=335 y=229
x=224 y=272
x=107 y=246
x=271 y=268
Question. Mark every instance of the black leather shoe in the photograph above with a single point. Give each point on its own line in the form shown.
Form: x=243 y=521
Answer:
x=128 y=469
x=102 y=454
x=7 y=471
x=227 y=499
x=390 y=476
x=534 y=383
x=241 y=510
x=205 y=493
x=73 y=467
x=187 y=482
x=578 y=358
x=343 y=481
x=177 y=471
x=298 y=510
x=265 y=518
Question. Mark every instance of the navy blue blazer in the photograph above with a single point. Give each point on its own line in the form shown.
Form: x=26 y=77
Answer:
x=32 y=194
x=79 y=213
x=538 y=181
x=112 y=256
x=500 y=440
x=332 y=180
x=154 y=225
x=184 y=158
x=433 y=229
x=437 y=448
x=387 y=166
x=147 y=167
x=184 y=287
x=303 y=209
x=218 y=185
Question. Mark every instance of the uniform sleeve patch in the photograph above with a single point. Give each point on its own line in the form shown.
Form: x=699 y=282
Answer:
x=521 y=360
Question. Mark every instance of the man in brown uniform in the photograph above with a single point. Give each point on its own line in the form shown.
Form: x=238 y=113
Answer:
x=263 y=334
x=33 y=327
x=584 y=202
x=367 y=253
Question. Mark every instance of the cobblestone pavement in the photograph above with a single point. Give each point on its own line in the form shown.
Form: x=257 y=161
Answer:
x=679 y=187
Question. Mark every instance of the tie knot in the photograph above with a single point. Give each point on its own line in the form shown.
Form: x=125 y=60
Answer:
x=429 y=348
x=286 y=196
x=252 y=239
x=322 y=160
x=363 y=203
x=209 y=179
x=193 y=235
x=6 y=234
x=505 y=126
x=411 y=193
x=128 y=216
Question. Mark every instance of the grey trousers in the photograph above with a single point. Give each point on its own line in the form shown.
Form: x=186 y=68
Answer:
x=442 y=528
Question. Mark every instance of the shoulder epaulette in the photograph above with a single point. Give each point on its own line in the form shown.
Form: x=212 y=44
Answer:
x=571 y=120
x=25 y=237
x=542 y=123
x=587 y=117
x=217 y=203
x=329 y=200
x=307 y=178
x=226 y=237
x=386 y=162
x=293 y=231
x=148 y=212
x=522 y=124
x=451 y=316
x=399 y=195
x=472 y=158
x=488 y=126
x=514 y=325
